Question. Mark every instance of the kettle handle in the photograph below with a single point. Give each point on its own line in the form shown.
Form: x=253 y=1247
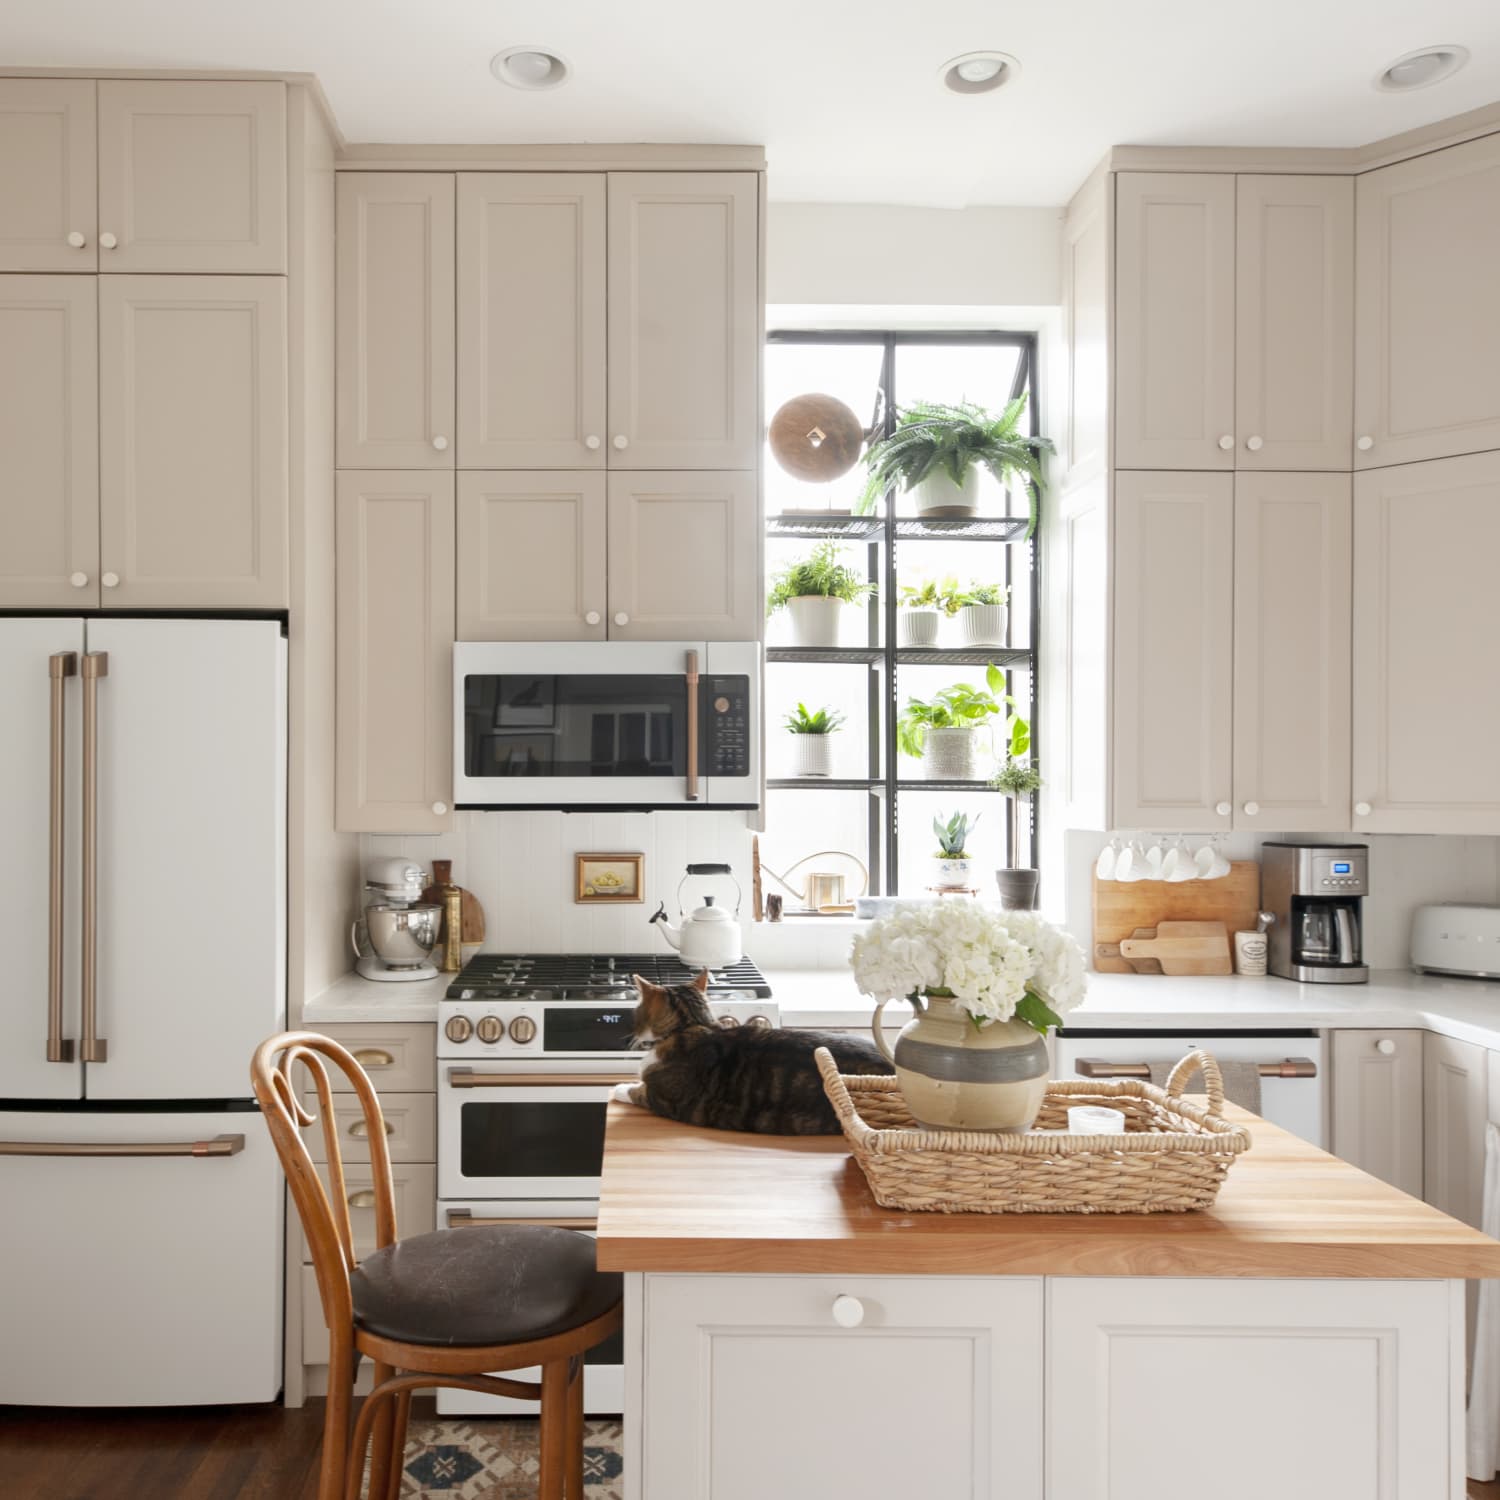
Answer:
x=879 y=1034
x=739 y=894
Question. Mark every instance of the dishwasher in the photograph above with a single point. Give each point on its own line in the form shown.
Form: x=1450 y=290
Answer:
x=1292 y=1071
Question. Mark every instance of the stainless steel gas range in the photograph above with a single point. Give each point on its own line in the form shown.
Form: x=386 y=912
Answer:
x=530 y=1048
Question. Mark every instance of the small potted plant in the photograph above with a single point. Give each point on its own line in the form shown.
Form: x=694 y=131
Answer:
x=938 y=450
x=951 y=865
x=812 y=739
x=922 y=609
x=814 y=591
x=981 y=614
x=1017 y=779
x=940 y=731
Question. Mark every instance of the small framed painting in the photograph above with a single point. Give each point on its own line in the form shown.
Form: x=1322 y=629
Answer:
x=609 y=877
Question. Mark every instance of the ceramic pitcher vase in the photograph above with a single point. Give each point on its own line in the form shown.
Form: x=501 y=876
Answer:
x=958 y=1076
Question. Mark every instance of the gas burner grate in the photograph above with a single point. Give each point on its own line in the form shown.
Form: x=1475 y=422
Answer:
x=560 y=971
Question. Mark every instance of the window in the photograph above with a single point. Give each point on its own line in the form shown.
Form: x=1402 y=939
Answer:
x=879 y=804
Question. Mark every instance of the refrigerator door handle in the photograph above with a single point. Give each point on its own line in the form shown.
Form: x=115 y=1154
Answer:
x=220 y=1145
x=95 y=1049
x=60 y=666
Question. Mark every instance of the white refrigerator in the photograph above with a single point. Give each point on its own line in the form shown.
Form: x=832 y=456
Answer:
x=143 y=882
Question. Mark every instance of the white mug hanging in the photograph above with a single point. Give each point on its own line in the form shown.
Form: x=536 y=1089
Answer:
x=1104 y=866
x=1130 y=864
x=1177 y=863
x=1153 y=863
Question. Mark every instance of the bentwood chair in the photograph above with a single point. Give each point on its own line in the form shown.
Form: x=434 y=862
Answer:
x=439 y=1309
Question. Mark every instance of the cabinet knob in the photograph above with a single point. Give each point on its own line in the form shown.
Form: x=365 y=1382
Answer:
x=592 y=617
x=1223 y=809
x=622 y=618
x=1385 y=1047
x=107 y=241
x=1226 y=442
x=440 y=443
x=1362 y=809
x=1364 y=444
x=79 y=580
x=621 y=441
x=1251 y=808
x=76 y=240
x=109 y=580
x=591 y=441
x=848 y=1312
x=1255 y=443
x=440 y=809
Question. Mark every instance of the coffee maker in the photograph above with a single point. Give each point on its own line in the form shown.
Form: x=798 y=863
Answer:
x=1316 y=892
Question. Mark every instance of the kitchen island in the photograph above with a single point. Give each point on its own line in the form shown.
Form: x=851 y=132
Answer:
x=786 y=1336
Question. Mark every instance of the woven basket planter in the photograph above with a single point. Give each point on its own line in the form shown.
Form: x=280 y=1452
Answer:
x=1173 y=1156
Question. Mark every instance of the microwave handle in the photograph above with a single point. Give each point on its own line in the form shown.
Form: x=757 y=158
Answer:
x=692 y=726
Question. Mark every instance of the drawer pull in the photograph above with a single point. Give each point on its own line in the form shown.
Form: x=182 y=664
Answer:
x=374 y=1057
x=361 y=1128
x=364 y=1198
x=466 y=1078
x=848 y=1312
x=465 y=1218
x=220 y=1145
x=1094 y=1067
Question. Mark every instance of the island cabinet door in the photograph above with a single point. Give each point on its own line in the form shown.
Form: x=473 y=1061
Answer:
x=804 y=1388
x=1296 y=1389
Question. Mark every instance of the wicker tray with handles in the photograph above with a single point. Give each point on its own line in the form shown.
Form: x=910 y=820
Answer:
x=1173 y=1156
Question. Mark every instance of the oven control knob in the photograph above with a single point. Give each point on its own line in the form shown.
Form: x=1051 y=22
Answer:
x=458 y=1029
x=728 y=1023
x=763 y=1022
x=522 y=1029
x=490 y=1029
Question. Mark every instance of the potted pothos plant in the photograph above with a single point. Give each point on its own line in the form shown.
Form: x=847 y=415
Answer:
x=939 y=450
x=941 y=731
x=812 y=734
x=952 y=868
x=814 y=590
x=922 y=607
x=980 y=609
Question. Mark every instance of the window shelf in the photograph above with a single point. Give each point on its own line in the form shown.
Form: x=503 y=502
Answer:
x=825 y=784
x=912 y=656
x=846 y=528
x=908 y=528
x=848 y=655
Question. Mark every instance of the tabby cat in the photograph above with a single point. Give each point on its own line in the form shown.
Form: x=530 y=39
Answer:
x=749 y=1078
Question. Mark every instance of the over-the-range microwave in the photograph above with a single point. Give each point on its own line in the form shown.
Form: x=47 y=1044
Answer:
x=582 y=724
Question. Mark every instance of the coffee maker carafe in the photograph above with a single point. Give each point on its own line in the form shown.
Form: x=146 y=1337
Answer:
x=1316 y=893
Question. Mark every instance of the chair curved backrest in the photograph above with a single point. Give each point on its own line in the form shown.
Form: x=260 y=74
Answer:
x=324 y=1212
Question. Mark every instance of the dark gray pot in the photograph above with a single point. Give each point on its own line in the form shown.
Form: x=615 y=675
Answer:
x=1017 y=889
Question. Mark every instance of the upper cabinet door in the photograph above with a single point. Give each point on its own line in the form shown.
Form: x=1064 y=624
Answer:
x=684 y=320
x=1174 y=655
x=531 y=320
x=1426 y=718
x=47 y=174
x=395 y=320
x=1294 y=340
x=49 y=420
x=1427 y=316
x=192 y=176
x=193 y=442
x=1292 y=551
x=1174 y=321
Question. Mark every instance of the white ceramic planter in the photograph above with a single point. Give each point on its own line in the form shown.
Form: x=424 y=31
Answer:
x=937 y=495
x=982 y=624
x=816 y=620
x=952 y=874
x=950 y=755
x=919 y=627
x=812 y=754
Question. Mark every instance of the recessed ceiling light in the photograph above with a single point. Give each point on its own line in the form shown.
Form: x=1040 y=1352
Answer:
x=529 y=68
x=1421 y=69
x=978 y=72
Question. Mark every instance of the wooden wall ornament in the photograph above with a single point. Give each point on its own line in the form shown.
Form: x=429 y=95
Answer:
x=816 y=437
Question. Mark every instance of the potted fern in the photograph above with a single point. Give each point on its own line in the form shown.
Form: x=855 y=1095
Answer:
x=941 y=731
x=981 y=614
x=939 y=449
x=1017 y=779
x=951 y=866
x=814 y=590
x=812 y=739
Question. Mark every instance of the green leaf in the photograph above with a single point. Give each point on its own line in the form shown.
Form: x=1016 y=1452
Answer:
x=1036 y=1013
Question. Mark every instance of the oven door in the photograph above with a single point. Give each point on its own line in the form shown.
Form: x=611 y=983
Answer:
x=504 y=1132
x=606 y=723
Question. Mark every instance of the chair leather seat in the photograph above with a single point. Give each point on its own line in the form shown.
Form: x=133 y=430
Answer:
x=489 y=1284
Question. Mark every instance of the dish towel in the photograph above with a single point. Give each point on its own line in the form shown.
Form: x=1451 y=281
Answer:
x=1241 y=1082
x=1484 y=1384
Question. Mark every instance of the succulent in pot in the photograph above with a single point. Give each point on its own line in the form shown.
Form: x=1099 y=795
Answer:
x=814 y=591
x=922 y=607
x=951 y=865
x=939 y=450
x=981 y=613
x=1017 y=780
x=812 y=733
x=941 y=731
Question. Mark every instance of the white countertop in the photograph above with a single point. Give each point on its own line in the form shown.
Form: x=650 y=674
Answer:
x=1466 y=1009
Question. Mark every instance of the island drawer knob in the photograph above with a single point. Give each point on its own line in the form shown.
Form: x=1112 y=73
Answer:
x=1385 y=1046
x=848 y=1312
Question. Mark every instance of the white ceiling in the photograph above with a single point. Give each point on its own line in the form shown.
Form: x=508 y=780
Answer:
x=842 y=93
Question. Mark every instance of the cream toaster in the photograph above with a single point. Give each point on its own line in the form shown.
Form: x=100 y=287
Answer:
x=1456 y=938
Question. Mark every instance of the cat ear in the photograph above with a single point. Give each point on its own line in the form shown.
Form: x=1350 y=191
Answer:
x=642 y=985
x=701 y=982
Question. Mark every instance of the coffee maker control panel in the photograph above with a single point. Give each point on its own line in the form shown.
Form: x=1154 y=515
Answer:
x=1345 y=873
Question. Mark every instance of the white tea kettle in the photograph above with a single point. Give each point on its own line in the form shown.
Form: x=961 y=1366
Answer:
x=709 y=937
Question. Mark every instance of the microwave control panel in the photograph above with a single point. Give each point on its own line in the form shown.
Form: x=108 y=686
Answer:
x=724 y=711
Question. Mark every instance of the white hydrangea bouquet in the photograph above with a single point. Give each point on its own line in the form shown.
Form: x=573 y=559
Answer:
x=996 y=965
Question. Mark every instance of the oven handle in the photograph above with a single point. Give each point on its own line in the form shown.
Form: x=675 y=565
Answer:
x=692 y=726
x=463 y=1218
x=1095 y=1067
x=467 y=1078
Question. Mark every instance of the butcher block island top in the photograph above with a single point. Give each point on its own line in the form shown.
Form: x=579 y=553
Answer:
x=680 y=1199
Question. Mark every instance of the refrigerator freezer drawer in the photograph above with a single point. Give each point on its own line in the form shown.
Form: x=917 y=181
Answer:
x=139 y=1280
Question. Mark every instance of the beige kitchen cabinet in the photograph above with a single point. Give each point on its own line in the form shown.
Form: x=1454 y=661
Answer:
x=49 y=481
x=1455 y=1103
x=192 y=176
x=1294 y=322
x=1292 y=548
x=48 y=215
x=684 y=557
x=1425 y=721
x=684 y=320
x=1377 y=1104
x=1174 y=320
x=193 y=442
x=1173 y=651
x=395 y=317
x=531 y=556
x=395 y=614
x=531 y=322
x=1427 y=302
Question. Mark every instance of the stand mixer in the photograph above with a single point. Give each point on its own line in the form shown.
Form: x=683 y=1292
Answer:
x=400 y=928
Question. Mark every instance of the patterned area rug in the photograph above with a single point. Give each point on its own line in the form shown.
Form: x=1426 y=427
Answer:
x=495 y=1458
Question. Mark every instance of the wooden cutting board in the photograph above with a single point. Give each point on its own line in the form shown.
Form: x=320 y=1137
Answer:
x=1123 y=906
x=471 y=928
x=1183 y=948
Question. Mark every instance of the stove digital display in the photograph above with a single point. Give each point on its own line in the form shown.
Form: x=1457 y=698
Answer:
x=588 y=1028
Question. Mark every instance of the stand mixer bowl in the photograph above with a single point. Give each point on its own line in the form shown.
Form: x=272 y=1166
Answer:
x=403 y=936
